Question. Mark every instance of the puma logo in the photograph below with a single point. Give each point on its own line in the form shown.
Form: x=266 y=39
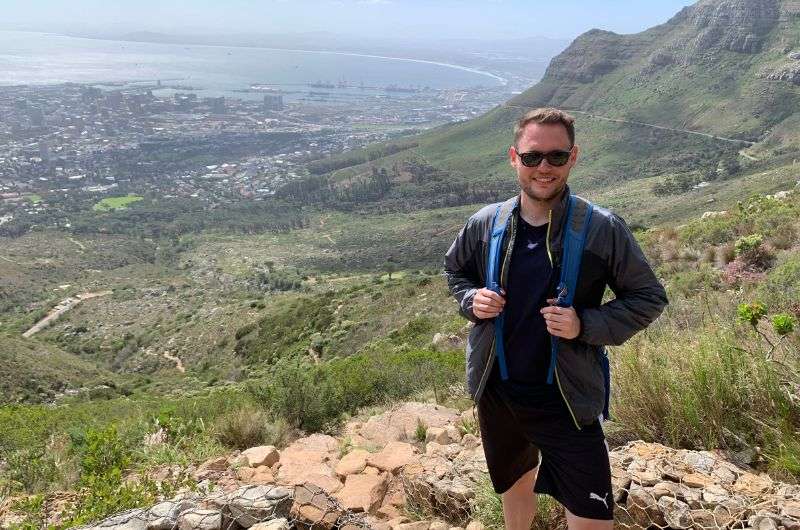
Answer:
x=596 y=497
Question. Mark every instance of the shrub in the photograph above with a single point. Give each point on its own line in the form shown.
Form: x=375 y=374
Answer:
x=748 y=243
x=244 y=428
x=692 y=392
x=783 y=324
x=751 y=313
x=314 y=396
x=782 y=285
x=421 y=432
x=703 y=278
x=31 y=470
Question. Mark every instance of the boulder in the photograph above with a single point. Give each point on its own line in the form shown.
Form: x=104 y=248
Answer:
x=416 y=525
x=164 y=515
x=314 y=508
x=264 y=455
x=311 y=456
x=259 y=475
x=352 y=463
x=200 y=520
x=363 y=493
x=254 y=504
x=400 y=423
x=273 y=524
x=393 y=457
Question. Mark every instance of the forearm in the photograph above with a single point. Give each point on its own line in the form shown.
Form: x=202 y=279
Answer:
x=618 y=320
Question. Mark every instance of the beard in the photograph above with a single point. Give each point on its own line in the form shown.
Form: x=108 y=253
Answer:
x=529 y=189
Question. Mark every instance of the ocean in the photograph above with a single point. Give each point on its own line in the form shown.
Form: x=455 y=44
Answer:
x=40 y=58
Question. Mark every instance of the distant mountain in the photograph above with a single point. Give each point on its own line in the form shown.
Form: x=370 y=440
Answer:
x=712 y=94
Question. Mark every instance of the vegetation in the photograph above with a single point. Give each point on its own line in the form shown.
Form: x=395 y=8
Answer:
x=116 y=203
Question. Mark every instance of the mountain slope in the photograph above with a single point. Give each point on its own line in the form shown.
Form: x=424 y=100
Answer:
x=712 y=94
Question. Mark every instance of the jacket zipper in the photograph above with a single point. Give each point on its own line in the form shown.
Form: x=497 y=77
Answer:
x=555 y=368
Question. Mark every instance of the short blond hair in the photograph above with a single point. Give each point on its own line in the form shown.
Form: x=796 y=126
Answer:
x=545 y=115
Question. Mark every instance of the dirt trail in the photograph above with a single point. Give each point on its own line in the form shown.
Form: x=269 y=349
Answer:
x=653 y=125
x=63 y=306
x=176 y=360
x=662 y=127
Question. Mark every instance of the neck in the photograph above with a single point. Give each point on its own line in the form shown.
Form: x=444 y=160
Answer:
x=534 y=211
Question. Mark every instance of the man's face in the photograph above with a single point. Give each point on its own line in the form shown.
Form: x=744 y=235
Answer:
x=544 y=182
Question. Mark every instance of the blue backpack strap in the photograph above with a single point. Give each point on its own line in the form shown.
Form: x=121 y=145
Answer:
x=499 y=225
x=576 y=227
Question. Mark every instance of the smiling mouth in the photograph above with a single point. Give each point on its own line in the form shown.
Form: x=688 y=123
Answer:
x=544 y=180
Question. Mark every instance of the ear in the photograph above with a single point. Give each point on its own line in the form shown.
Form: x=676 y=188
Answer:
x=512 y=156
x=573 y=157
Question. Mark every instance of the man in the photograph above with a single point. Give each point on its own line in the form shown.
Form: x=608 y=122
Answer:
x=540 y=437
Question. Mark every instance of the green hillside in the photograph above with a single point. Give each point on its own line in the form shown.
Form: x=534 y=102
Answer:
x=711 y=95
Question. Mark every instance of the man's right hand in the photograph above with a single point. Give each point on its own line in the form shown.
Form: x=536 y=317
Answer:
x=487 y=303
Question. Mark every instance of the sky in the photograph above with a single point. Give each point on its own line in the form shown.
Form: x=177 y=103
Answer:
x=404 y=19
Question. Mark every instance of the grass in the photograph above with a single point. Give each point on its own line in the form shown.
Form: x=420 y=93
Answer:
x=116 y=203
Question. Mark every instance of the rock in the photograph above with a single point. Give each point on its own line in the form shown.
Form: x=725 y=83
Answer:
x=363 y=493
x=136 y=519
x=762 y=522
x=273 y=524
x=467 y=417
x=676 y=513
x=439 y=525
x=645 y=478
x=475 y=525
x=164 y=515
x=697 y=480
x=353 y=463
x=699 y=461
x=254 y=504
x=314 y=507
x=264 y=455
x=400 y=423
x=416 y=525
x=454 y=433
x=442 y=342
x=211 y=468
x=470 y=441
x=438 y=435
x=715 y=494
x=393 y=457
x=329 y=484
x=200 y=520
x=397 y=521
x=259 y=475
x=310 y=456
x=791 y=509
x=643 y=507
x=449 y=451
x=752 y=485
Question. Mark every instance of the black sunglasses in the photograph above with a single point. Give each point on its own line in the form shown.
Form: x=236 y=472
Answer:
x=554 y=158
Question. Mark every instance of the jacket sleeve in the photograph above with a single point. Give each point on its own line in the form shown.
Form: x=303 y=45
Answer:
x=640 y=297
x=461 y=270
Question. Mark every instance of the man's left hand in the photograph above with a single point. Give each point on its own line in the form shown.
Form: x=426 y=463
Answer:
x=561 y=321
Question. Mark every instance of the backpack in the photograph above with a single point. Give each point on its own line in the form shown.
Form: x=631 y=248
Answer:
x=579 y=213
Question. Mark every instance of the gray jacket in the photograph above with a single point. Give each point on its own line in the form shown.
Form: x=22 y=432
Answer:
x=612 y=258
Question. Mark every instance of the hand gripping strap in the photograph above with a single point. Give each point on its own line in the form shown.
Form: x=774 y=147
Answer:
x=579 y=214
x=499 y=225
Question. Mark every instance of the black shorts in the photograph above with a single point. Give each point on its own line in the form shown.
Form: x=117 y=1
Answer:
x=517 y=426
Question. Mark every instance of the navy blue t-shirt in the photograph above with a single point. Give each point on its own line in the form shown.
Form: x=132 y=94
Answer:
x=527 y=342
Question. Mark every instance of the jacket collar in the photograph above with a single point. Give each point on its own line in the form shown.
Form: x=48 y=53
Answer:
x=557 y=219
